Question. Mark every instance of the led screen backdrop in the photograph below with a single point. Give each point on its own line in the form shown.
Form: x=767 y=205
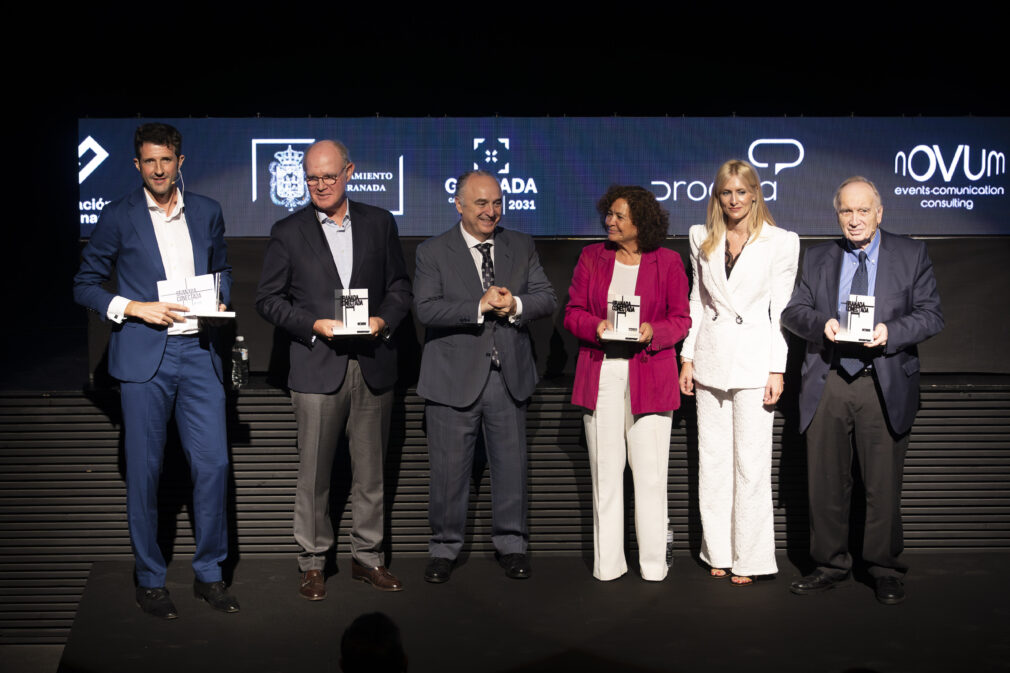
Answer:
x=937 y=176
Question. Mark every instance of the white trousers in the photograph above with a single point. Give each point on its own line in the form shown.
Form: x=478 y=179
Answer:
x=734 y=480
x=615 y=436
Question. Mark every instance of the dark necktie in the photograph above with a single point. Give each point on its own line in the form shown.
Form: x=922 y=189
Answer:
x=486 y=266
x=860 y=285
x=860 y=282
x=487 y=280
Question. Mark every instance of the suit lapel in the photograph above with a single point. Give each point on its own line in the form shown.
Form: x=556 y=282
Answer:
x=315 y=241
x=882 y=284
x=360 y=241
x=462 y=263
x=832 y=273
x=751 y=256
x=645 y=285
x=503 y=261
x=715 y=265
x=197 y=240
x=601 y=277
x=140 y=218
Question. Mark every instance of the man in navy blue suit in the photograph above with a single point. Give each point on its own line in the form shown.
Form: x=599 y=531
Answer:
x=164 y=362
x=863 y=396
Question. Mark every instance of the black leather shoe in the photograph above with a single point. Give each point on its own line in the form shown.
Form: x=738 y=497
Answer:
x=890 y=590
x=438 y=570
x=517 y=566
x=215 y=595
x=155 y=601
x=815 y=582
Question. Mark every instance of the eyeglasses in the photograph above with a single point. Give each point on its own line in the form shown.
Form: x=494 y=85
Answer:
x=313 y=180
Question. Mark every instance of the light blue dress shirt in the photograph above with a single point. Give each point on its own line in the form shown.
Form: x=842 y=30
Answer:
x=340 y=239
x=850 y=262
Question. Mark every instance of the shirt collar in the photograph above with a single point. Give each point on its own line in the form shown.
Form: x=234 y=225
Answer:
x=472 y=241
x=871 y=250
x=327 y=220
x=154 y=205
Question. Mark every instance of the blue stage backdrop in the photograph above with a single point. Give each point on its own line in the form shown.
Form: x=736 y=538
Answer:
x=938 y=177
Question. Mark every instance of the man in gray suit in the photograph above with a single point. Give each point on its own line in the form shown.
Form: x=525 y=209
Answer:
x=341 y=386
x=860 y=395
x=477 y=286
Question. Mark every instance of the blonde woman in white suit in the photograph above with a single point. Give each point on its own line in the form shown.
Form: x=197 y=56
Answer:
x=733 y=360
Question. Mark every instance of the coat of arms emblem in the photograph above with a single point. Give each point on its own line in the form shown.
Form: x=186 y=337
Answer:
x=287 y=179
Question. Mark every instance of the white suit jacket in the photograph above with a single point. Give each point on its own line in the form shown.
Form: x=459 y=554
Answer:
x=735 y=338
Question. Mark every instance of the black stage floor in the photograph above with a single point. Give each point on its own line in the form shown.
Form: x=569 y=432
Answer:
x=955 y=619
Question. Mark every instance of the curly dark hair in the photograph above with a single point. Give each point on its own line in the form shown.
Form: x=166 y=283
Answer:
x=651 y=221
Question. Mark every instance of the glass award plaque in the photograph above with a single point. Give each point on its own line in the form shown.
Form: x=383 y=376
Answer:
x=623 y=312
x=200 y=294
x=351 y=311
x=857 y=319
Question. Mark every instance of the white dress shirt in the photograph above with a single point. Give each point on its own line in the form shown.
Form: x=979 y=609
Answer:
x=176 y=249
x=478 y=261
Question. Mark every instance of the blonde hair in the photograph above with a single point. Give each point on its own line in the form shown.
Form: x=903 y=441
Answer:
x=715 y=224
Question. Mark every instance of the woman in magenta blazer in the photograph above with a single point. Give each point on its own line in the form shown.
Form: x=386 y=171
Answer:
x=629 y=387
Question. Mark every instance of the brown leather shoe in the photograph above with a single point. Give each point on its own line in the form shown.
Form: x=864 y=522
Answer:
x=380 y=577
x=312 y=586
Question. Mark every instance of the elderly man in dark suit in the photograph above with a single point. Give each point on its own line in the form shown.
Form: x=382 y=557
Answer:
x=340 y=385
x=165 y=363
x=477 y=286
x=860 y=395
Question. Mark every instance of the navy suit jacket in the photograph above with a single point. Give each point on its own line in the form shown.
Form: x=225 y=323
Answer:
x=457 y=350
x=124 y=239
x=296 y=289
x=907 y=302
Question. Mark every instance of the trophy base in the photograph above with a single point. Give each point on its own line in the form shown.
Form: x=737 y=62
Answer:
x=849 y=337
x=209 y=314
x=611 y=335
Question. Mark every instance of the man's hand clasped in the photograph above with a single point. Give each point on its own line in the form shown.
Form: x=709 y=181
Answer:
x=498 y=300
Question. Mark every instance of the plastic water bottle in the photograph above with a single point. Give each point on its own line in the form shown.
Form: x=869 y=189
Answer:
x=239 y=363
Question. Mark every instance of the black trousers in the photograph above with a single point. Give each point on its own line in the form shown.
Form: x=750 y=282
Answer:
x=851 y=416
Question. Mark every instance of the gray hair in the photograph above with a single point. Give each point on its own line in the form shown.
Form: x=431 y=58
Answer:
x=854 y=179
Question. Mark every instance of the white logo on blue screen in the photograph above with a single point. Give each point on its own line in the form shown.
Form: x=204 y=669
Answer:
x=287 y=179
x=788 y=142
x=924 y=163
x=489 y=158
x=91 y=207
x=100 y=155
x=789 y=150
x=283 y=183
x=385 y=181
x=494 y=157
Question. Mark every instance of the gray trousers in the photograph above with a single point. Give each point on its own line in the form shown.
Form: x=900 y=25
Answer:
x=851 y=415
x=452 y=436
x=322 y=419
